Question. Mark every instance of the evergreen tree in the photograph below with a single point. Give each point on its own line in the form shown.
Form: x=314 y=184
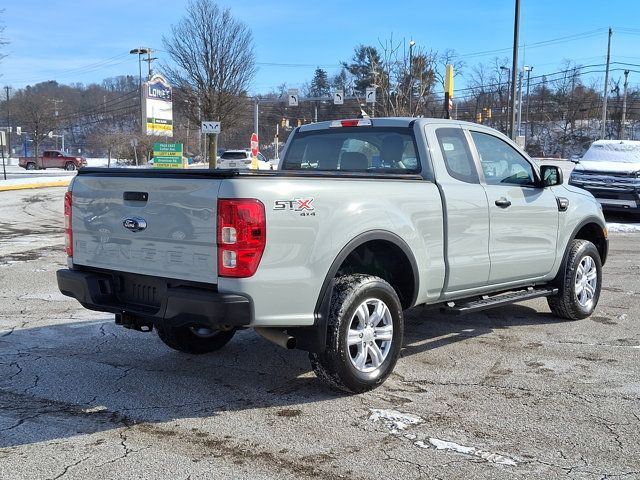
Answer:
x=319 y=84
x=363 y=67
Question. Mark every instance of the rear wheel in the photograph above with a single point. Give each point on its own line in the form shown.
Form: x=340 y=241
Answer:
x=579 y=284
x=196 y=339
x=364 y=336
x=70 y=166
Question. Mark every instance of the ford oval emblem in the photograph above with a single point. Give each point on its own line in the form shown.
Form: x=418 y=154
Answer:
x=135 y=224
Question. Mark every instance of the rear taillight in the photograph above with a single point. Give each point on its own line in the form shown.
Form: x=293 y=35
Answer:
x=68 y=234
x=241 y=236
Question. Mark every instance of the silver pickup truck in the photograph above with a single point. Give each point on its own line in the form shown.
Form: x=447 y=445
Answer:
x=364 y=219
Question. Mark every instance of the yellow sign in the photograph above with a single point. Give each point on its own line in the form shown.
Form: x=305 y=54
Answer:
x=448 y=80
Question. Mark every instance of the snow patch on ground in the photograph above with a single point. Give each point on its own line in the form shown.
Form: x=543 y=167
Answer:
x=30 y=179
x=614 y=227
x=47 y=297
x=393 y=419
x=473 y=451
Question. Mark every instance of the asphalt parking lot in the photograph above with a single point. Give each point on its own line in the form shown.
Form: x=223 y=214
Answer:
x=506 y=393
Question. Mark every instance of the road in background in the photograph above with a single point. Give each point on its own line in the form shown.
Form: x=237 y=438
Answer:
x=15 y=172
x=516 y=392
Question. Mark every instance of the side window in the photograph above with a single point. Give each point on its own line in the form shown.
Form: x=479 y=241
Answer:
x=501 y=163
x=456 y=154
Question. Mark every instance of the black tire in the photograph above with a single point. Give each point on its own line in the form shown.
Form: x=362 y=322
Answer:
x=185 y=339
x=336 y=366
x=70 y=166
x=566 y=303
x=31 y=166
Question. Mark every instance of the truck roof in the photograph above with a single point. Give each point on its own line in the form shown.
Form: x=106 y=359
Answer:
x=387 y=122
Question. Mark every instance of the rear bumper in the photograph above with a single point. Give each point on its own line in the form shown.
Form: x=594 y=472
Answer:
x=175 y=305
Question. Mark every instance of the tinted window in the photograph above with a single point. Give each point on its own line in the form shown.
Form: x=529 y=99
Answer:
x=501 y=163
x=354 y=149
x=456 y=154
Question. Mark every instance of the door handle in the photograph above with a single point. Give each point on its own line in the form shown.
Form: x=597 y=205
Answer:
x=503 y=203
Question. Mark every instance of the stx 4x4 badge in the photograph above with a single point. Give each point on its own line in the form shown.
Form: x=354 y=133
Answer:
x=302 y=205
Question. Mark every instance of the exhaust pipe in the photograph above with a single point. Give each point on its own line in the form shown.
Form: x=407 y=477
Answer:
x=277 y=336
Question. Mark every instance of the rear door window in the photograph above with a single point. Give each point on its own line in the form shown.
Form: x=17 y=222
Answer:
x=354 y=149
x=456 y=154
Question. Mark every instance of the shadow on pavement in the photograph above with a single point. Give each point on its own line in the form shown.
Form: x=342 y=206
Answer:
x=69 y=379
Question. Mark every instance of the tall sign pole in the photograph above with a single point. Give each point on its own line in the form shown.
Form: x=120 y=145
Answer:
x=3 y=142
x=603 y=128
x=7 y=88
x=448 y=91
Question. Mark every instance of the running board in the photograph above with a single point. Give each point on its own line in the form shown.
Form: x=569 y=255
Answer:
x=488 y=301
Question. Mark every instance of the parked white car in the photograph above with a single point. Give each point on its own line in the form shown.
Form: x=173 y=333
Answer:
x=241 y=159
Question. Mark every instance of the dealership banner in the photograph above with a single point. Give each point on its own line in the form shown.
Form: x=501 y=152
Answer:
x=157 y=107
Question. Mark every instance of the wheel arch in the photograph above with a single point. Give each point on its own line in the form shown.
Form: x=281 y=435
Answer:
x=313 y=338
x=592 y=229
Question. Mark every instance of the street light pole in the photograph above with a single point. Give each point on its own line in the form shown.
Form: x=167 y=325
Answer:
x=411 y=44
x=520 y=75
x=528 y=69
x=603 y=128
x=514 y=67
x=623 y=121
x=141 y=51
x=508 y=70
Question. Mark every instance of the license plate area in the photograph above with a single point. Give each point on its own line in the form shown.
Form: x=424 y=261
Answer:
x=141 y=290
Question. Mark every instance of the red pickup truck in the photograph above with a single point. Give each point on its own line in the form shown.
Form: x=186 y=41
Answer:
x=52 y=159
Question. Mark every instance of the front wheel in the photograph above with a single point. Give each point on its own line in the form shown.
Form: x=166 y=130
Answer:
x=194 y=339
x=579 y=284
x=70 y=166
x=364 y=335
x=31 y=166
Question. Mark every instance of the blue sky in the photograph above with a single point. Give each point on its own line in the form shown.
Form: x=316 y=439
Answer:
x=85 y=41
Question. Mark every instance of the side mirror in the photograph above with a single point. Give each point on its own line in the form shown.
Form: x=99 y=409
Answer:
x=551 y=175
x=574 y=158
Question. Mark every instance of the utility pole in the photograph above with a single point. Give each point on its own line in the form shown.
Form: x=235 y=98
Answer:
x=149 y=59
x=7 y=88
x=624 y=103
x=603 y=128
x=514 y=68
x=55 y=107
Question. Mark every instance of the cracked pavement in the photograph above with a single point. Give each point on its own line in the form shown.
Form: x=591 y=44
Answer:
x=80 y=396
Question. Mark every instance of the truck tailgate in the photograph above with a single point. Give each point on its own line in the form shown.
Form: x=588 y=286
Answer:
x=146 y=225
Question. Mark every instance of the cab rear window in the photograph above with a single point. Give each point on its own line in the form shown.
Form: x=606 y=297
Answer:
x=354 y=149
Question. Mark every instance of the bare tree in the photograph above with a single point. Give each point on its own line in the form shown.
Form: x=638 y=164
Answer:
x=404 y=84
x=36 y=114
x=213 y=62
